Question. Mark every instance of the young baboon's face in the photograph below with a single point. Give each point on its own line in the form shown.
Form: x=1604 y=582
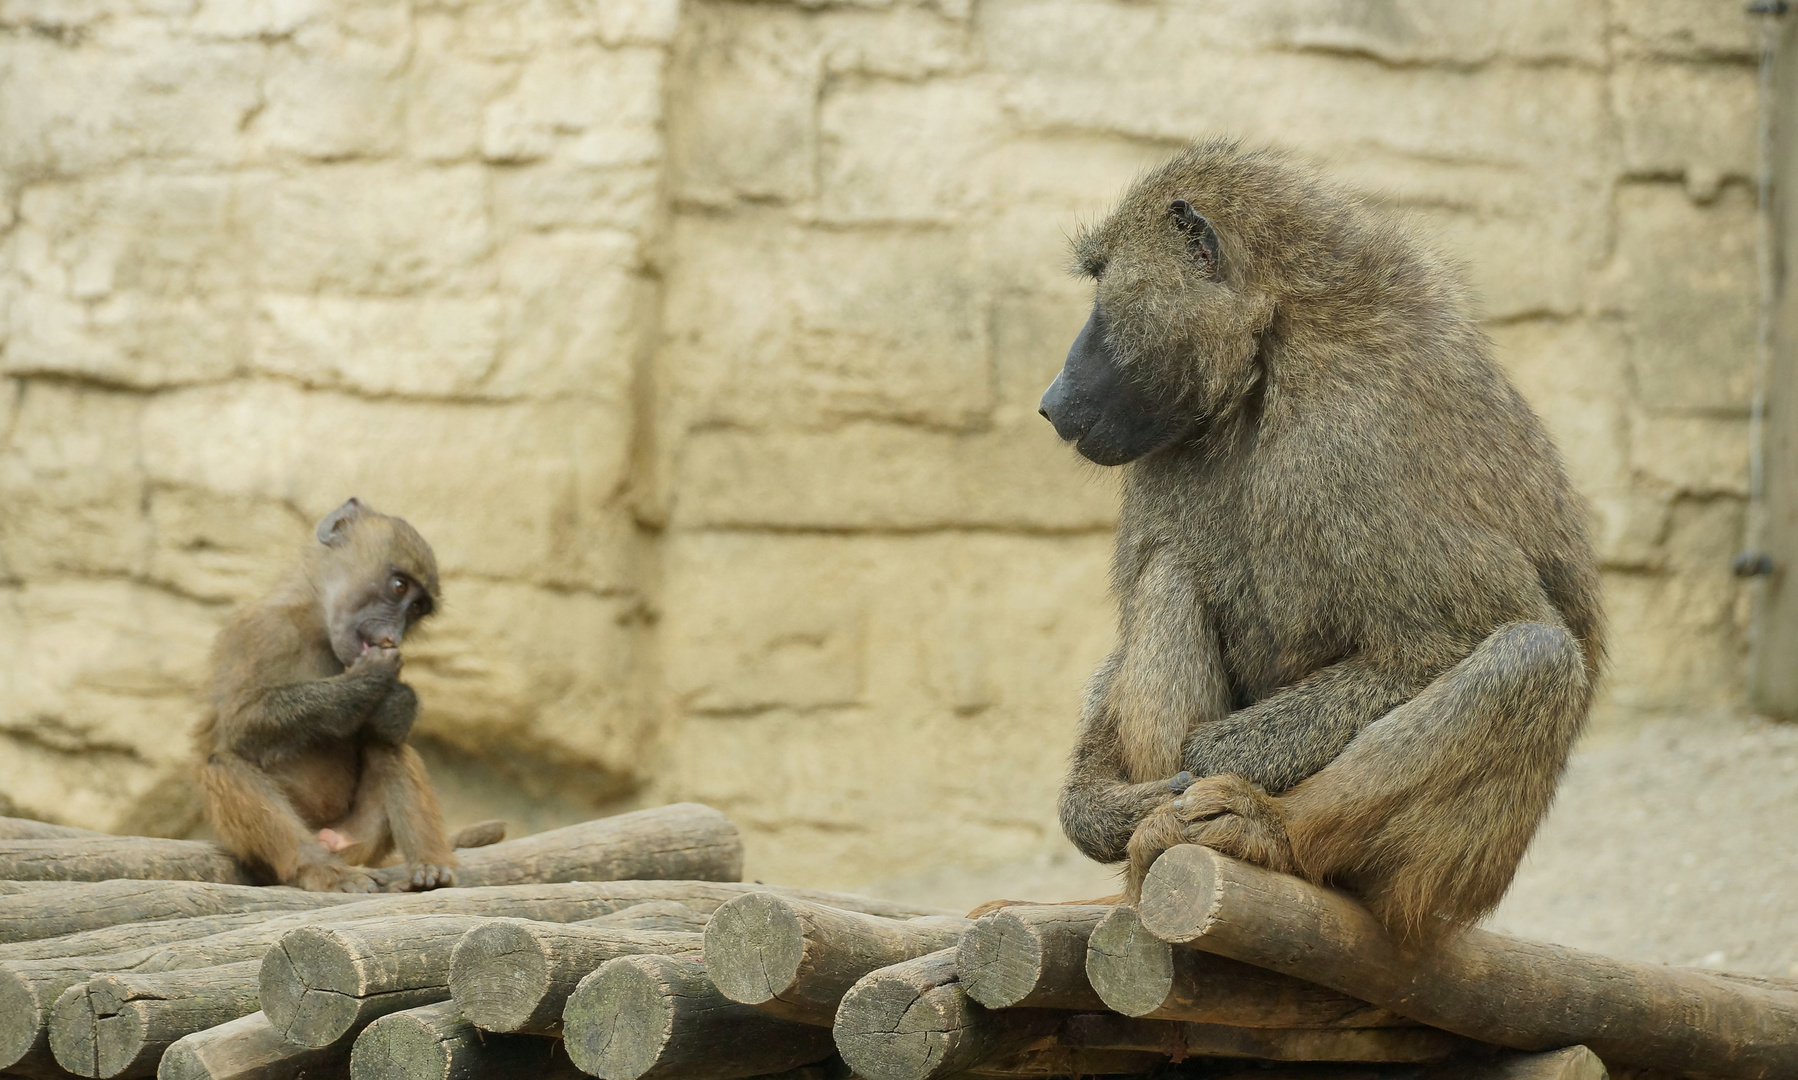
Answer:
x=1172 y=334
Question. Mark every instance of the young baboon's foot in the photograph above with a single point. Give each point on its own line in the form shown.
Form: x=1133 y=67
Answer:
x=335 y=841
x=420 y=876
x=1225 y=813
x=334 y=877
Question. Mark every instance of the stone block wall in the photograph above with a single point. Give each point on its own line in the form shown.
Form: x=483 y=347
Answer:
x=703 y=339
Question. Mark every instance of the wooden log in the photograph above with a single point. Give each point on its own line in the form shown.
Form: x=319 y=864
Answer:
x=118 y=1024
x=1030 y=956
x=1137 y=974
x=1521 y=994
x=18 y=828
x=913 y=1021
x=656 y=1017
x=1179 y=1039
x=433 y=1042
x=248 y=1048
x=104 y=858
x=131 y=936
x=58 y=909
x=665 y=915
x=1571 y=1063
x=685 y=841
x=29 y=988
x=796 y=959
x=323 y=983
x=512 y=975
x=71 y=908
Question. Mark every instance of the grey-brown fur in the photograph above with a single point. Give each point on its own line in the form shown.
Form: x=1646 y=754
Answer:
x=1356 y=592
x=305 y=741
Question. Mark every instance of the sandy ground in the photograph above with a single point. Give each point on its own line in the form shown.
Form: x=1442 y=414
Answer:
x=1676 y=844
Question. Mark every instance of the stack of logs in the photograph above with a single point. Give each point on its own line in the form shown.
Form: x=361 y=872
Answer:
x=626 y=948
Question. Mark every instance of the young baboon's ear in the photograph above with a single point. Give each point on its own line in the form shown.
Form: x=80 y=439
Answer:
x=330 y=530
x=1200 y=236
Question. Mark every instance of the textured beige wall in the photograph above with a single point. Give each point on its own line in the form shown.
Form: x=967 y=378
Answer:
x=703 y=340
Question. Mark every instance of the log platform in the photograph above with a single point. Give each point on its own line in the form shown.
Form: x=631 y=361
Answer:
x=626 y=949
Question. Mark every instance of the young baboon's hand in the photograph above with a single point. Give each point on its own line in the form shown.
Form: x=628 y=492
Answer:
x=381 y=660
x=1225 y=813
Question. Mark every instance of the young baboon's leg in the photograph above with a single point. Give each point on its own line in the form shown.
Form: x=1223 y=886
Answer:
x=255 y=820
x=1428 y=811
x=364 y=831
x=397 y=778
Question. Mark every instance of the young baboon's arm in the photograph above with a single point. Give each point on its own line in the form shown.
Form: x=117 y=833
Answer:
x=1297 y=730
x=390 y=721
x=271 y=724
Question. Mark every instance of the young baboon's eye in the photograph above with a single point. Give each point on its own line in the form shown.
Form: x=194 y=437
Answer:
x=397 y=585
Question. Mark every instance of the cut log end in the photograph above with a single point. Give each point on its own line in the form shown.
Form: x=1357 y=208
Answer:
x=1131 y=969
x=306 y=960
x=72 y=1031
x=21 y=1019
x=401 y=1046
x=499 y=974
x=660 y=1018
x=754 y=948
x=1185 y=897
x=1031 y=956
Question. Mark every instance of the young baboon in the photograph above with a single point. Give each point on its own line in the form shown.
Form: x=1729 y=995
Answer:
x=305 y=767
x=1356 y=596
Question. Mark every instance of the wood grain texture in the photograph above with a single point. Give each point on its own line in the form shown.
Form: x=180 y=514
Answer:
x=18 y=828
x=660 y=1018
x=104 y=858
x=28 y=988
x=1030 y=956
x=684 y=841
x=320 y=984
x=1179 y=1039
x=513 y=975
x=249 y=1048
x=1137 y=974
x=796 y=959
x=433 y=1042
x=913 y=1021
x=69 y=908
x=118 y=1025
x=1521 y=994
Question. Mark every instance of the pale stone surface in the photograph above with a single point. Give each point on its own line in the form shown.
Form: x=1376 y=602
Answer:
x=704 y=341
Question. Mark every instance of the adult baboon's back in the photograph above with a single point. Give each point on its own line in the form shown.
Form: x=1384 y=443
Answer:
x=1356 y=593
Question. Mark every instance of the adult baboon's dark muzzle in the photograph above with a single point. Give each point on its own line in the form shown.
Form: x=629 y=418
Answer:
x=1095 y=405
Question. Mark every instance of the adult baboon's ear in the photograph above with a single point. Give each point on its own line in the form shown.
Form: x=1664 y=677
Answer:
x=331 y=529
x=1200 y=236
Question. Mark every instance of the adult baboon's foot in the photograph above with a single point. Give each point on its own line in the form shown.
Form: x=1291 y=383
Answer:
x=1225 y=813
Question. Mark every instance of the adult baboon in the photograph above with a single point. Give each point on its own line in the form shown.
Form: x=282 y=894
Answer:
x=1356 y=595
